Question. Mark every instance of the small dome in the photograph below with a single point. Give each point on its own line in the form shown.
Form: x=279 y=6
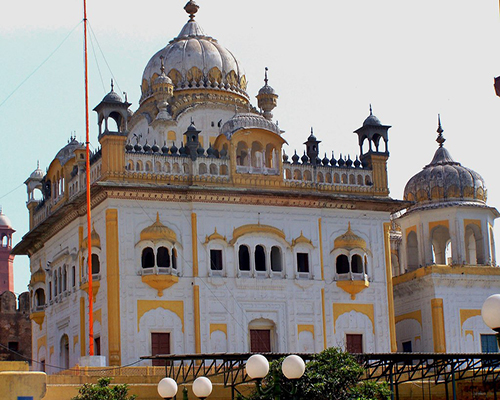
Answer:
x=158 y=231
x=445 y=180
x=112 y=97
x=248 y=120
x=349 y=240
x=67 y=152
x=194 y=60
x=4 y=221
x=266 y=89
x=371 y=120
x=37 y=174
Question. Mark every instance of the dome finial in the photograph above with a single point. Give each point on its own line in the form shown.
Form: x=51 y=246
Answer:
x=371 y=113
x=265 y=75
x=162 y=67
x=112 y=84
x=440 y=139
x=191 y=8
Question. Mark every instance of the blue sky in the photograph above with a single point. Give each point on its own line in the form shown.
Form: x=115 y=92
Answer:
x=328 y=60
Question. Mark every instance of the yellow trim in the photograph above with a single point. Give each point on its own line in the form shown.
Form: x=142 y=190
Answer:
x=256 y=228
x=321 y=250
x=95 y=239
x=75 y=341
x=342 y=308
x=51 y=351
x=215 y=236
x=80 y=263
x=324 y=317
x=438 y=327
x=469 y=332
x=416 y=315
x=113 y=287
x=305 y=328
x=445 y=270
x=390 y=291
x=301 y=239
x=158 y=231
x=353 y=287
x=349 y=240
x=39 y=343
x=37 y=277
x=476 y=222
x=196 y=302
x=98 y=316
x=417 y=338
x=38 y=317
x=95 y=288
x=160 y=282
x=466 y=314
x=82 y=327
x=218 y=327
x=194 y=239
x=434 y=224
x=411 y=229
x=176 y=306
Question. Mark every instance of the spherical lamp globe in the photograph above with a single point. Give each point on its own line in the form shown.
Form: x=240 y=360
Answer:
x=202 y=387
x=293 y=367
x=491 y=312
x=167 y=388
x=257 y=366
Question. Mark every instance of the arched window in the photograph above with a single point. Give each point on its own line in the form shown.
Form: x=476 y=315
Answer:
x=242 y=154
x=244 y=258
x=73 y=276
x=412 y=251
x=297 y=175
x=55 y=284
x=174 y=258
x=148 y=258
x=65 y=278
x=39 y=297
x=474 y=245
x=357 y=264
x=203 y=169
x=320 y=177
x=96 y=265
x=342 y=264
x=163 y=257
x=223 y=170
x=276 y=264
x=260 y=258
x=307 y=175
x=336 y=178
x=441 y=244
x=213 y=169
x=360 y=180
x=352 y=180
x=64 y=352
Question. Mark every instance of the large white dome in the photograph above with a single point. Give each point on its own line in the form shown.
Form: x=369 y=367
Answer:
x=194 y=60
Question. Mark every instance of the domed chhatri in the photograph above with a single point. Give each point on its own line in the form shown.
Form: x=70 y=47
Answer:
x=445 y=180
x=4 y=220
x=194 y=60
x=371 y=120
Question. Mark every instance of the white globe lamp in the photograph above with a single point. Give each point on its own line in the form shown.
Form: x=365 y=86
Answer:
x=491 y=312
x=293 y=367
x=167 y=388
x=257 y=366
x=202 y=387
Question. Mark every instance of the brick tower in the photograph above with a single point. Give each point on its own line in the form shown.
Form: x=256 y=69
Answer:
x=6 y=258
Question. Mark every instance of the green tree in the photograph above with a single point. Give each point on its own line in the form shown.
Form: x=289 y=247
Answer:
x=102 y=391
x=331 y=375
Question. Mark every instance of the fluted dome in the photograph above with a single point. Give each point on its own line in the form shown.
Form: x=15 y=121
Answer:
x=445 y=180
x=194 y=60
x=37 y=173
x=246 y=121
x=67 y=152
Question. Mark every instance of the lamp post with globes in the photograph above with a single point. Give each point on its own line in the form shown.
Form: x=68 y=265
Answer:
x=491 y=314
x=202 y=388
x=257 y=367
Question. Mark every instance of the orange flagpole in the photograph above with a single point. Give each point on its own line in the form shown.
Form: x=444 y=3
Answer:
x=87 y=167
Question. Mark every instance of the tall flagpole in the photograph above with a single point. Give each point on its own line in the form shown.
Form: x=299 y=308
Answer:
x=87 y=167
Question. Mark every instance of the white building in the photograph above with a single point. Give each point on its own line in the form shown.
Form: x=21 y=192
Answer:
x=205 y=239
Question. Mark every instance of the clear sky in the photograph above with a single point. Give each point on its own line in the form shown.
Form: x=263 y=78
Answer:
x=328 y=60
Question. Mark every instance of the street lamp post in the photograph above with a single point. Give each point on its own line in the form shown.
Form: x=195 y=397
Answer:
x=491 y=314
x=257 y=367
